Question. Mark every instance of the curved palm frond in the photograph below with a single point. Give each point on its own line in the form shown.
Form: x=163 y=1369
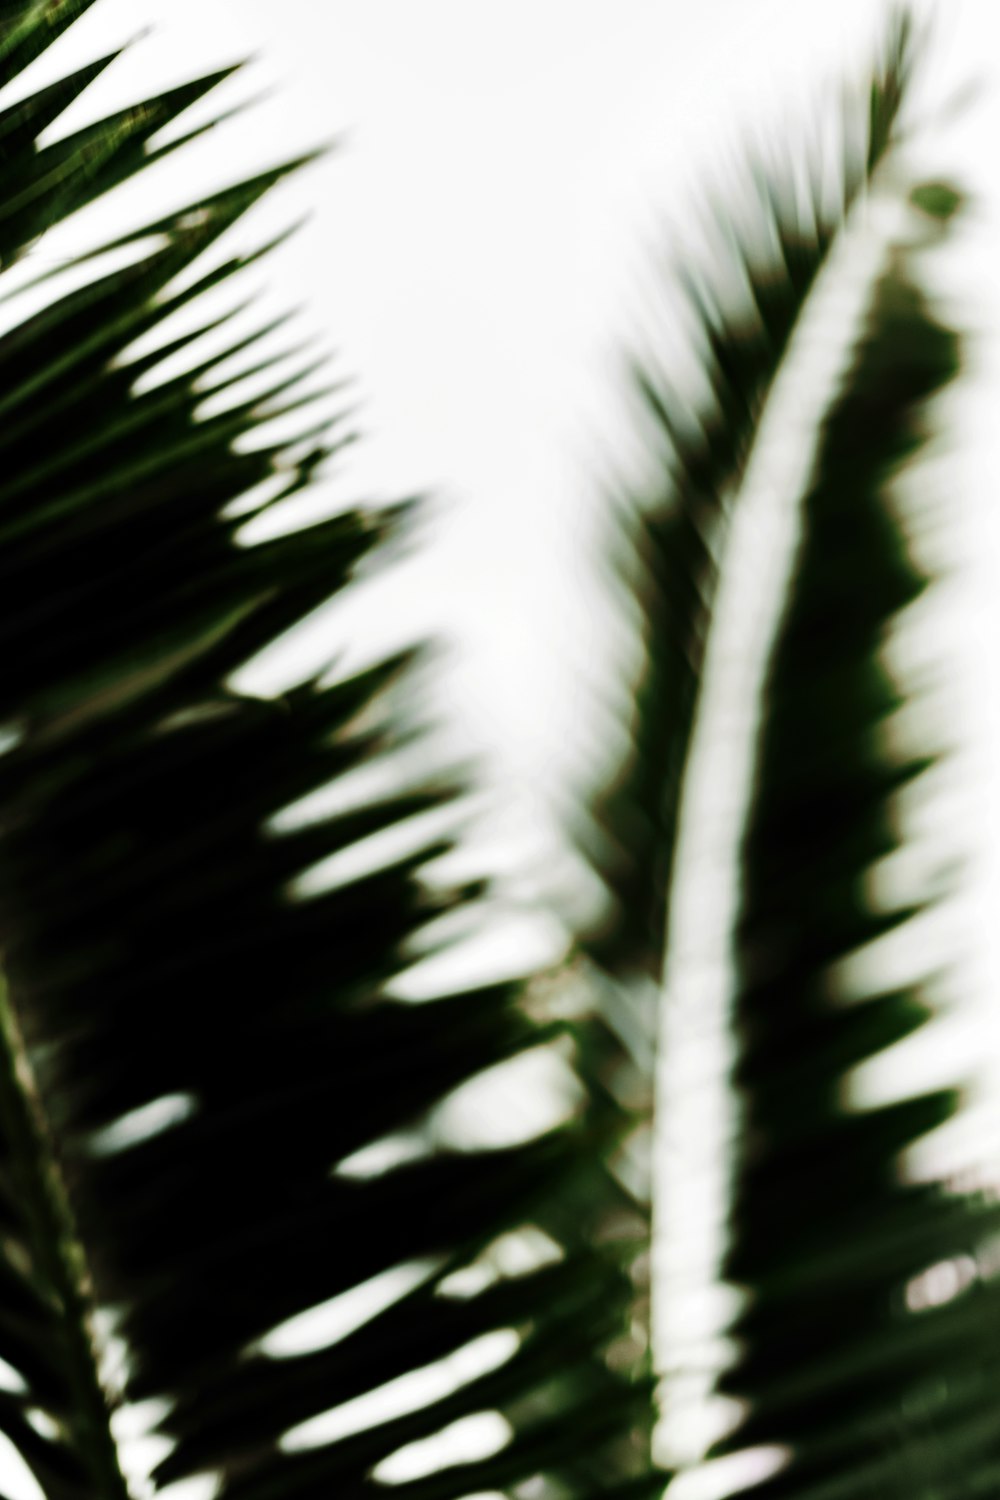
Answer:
x=196 y=1054
x=830 y=1245
x=671 y=547
x=876 y=1387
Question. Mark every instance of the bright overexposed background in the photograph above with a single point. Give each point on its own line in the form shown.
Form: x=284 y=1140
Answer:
x=478 y=255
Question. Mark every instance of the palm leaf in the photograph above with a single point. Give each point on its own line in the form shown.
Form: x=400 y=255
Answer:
x=670 y=547
x=872 y=1398
x=195 y=1055
x=876 y=1390
x=668 y=550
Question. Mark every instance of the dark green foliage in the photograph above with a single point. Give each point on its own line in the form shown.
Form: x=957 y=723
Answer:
x=155 y=947
x=673 y=542
x=873 y=1397
x=669 y=548
x=826 y=1237
x=195 y=1051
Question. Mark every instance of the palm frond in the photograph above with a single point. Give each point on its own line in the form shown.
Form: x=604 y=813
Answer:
x=195 y=1054
x=875 y=1388
x=671 y=546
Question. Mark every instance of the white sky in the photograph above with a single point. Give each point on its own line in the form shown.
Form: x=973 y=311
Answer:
x=472 y=248
x=472 y=257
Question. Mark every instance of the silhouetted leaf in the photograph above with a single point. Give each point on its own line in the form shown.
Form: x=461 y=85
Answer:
x=196 y=1052
x=838 y=1355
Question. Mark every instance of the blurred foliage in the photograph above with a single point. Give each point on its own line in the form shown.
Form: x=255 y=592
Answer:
x=844 y=1339
x=217 y=1111
x=865 y=1344
x=196 y=1054
x=670 y=544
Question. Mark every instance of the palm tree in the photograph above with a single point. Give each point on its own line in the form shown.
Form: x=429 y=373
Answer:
x=205 y=1072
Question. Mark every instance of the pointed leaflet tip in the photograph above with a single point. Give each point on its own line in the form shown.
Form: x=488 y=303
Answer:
x=136 y=38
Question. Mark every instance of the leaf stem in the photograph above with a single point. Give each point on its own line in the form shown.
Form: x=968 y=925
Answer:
x=58 y=1264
